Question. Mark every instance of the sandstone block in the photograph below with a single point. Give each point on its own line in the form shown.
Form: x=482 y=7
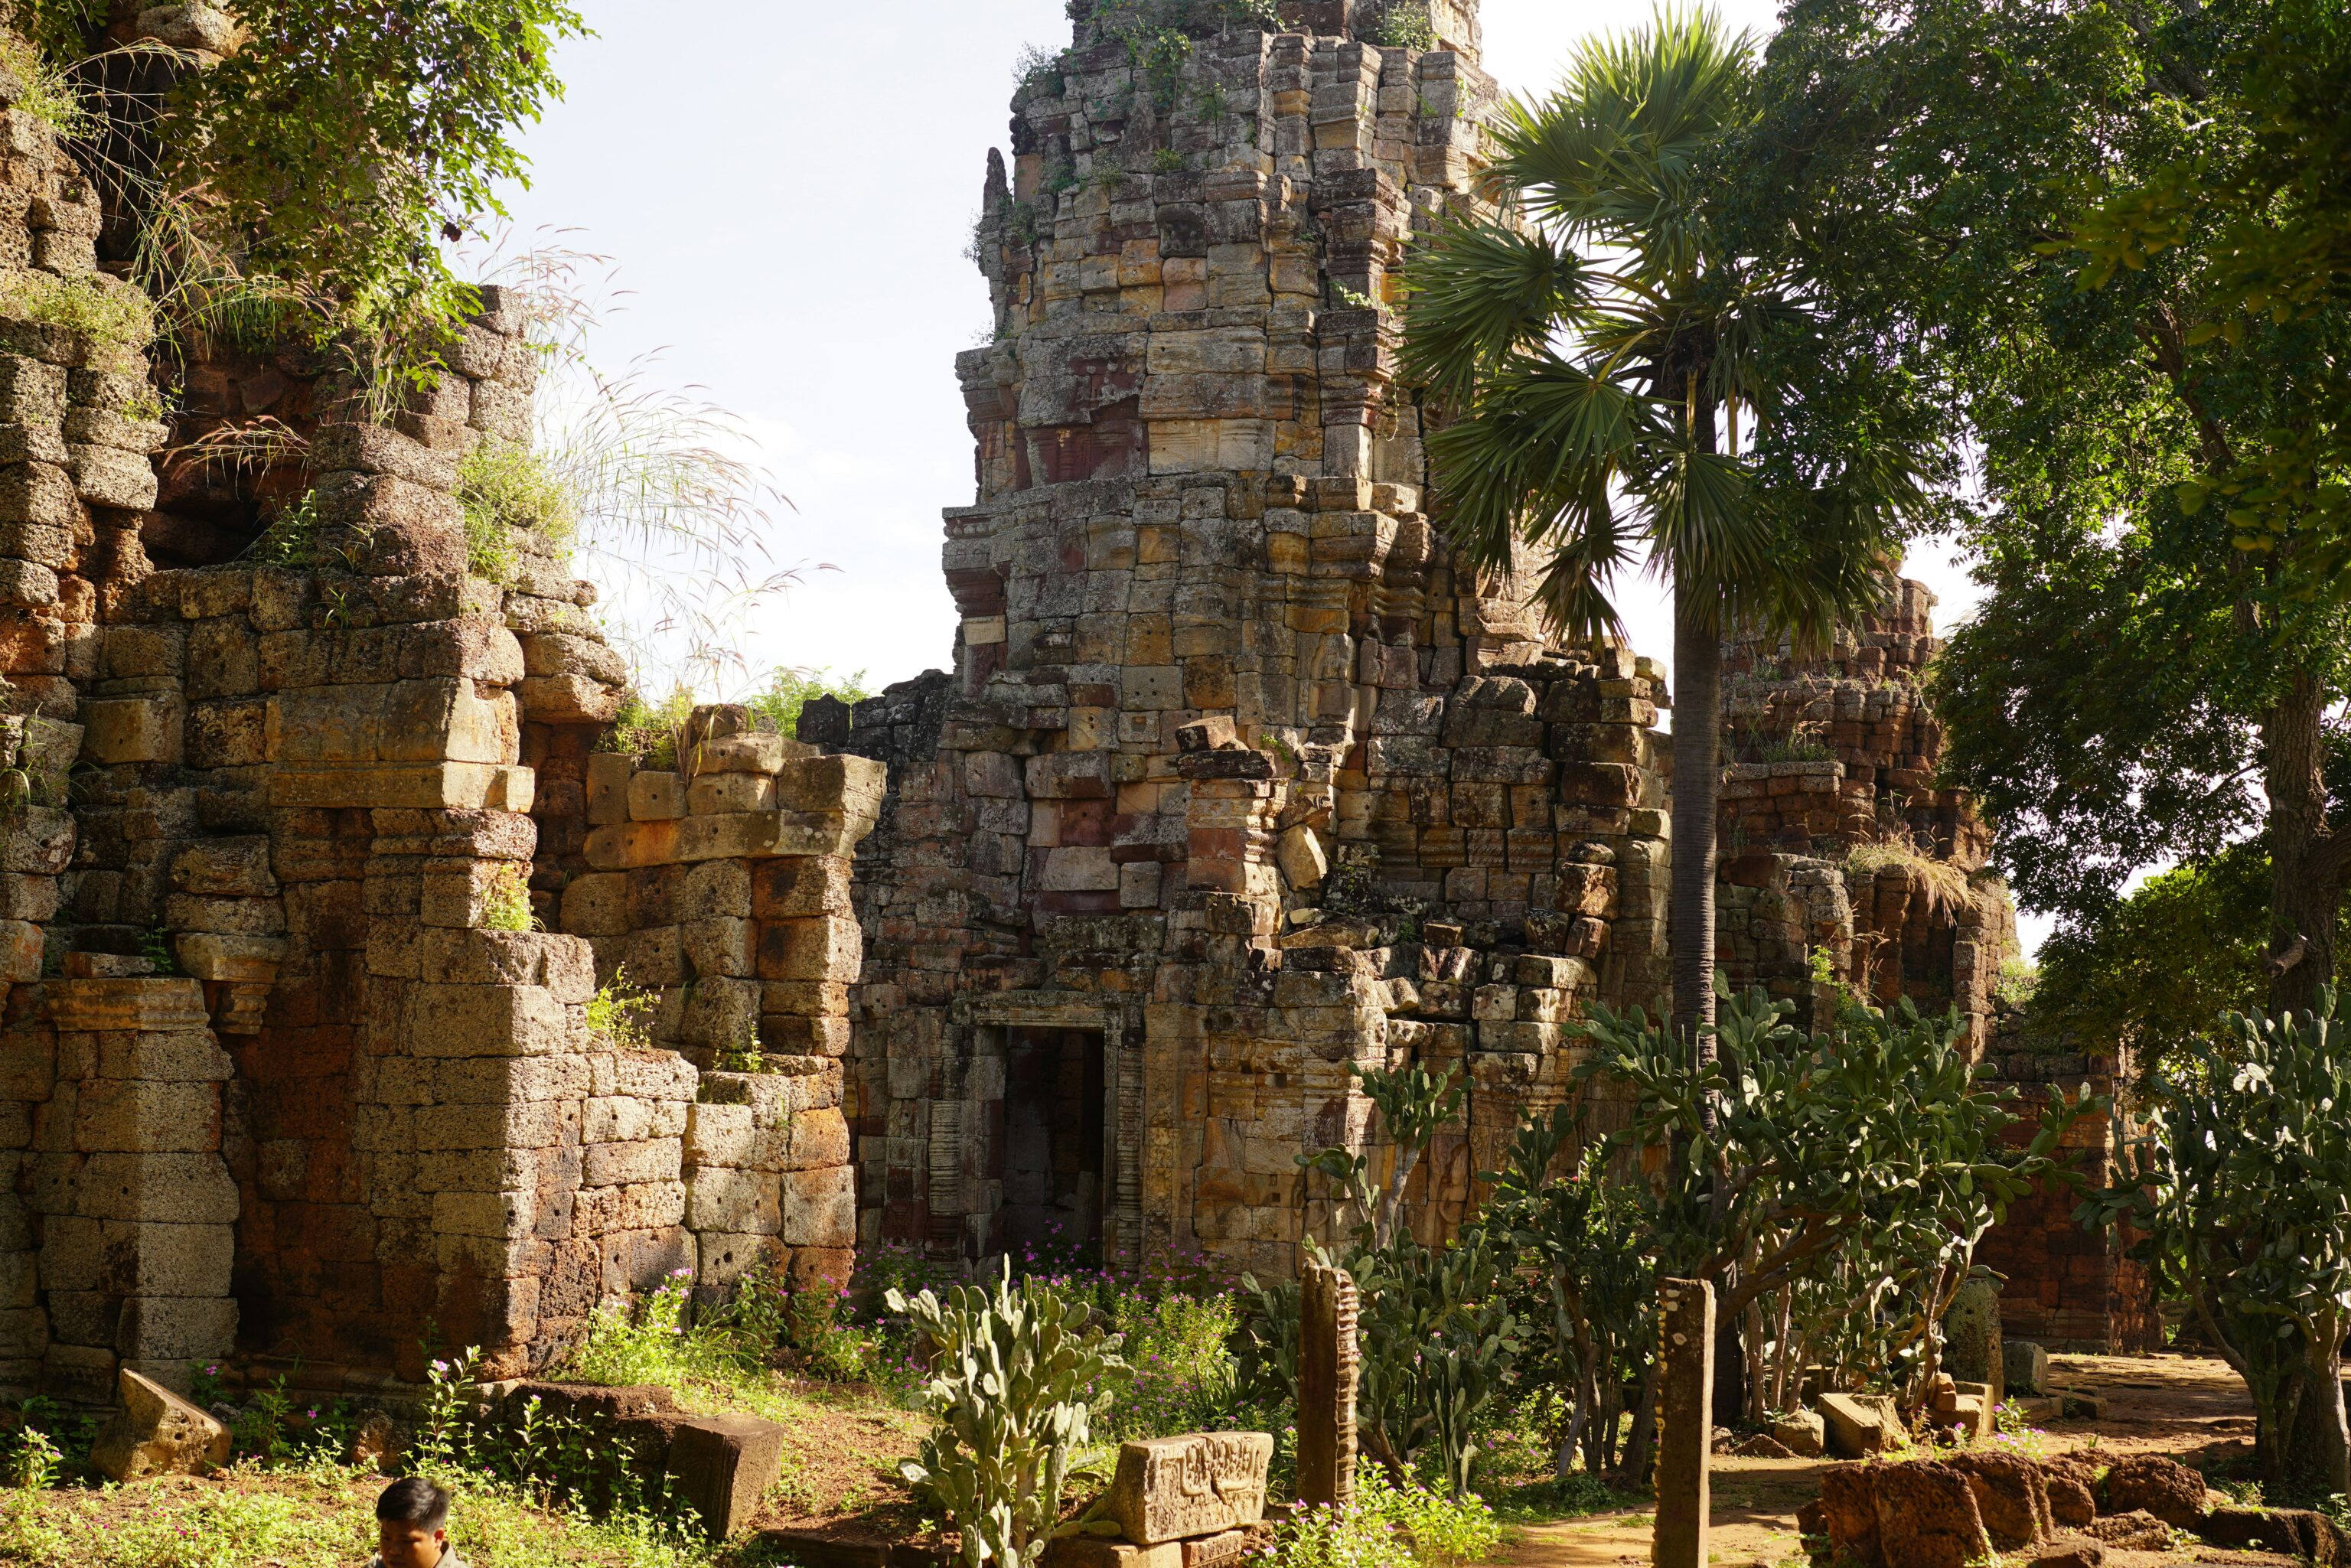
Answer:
x=739 y=1202
x=819 y=1207
x=141 y=1257
x=156 y=1432
x=109 y=477
x=830 y=948
x=175 y=1328
x=1167 y=1489
x=490 y=1021
x=174 y=1189
x=597 y=904
x=721 y=947
x=608 y=788
x=134 y=730
x=115 y=1115
x=721 y=1465
x=720 y=1012
x=1802 y=1433
x=721 y=1136
x=37 y=493
x=656 y=797
x=1860 y=1424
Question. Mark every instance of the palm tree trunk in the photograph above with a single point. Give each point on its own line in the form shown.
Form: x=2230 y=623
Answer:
x=1697 y=790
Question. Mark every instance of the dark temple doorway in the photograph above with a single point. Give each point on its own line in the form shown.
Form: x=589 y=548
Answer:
x=1053 y=1127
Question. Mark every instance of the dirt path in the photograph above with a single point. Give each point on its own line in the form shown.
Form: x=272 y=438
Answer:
x=2162 y=1404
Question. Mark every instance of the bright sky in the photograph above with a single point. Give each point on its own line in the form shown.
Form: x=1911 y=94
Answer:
x=787 y=187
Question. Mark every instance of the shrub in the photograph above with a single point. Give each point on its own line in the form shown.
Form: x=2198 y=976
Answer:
x=91 y=304
x=291 y=537
x=46 y=93
x=1022 y=1373
x=1386 y=1526
x=777 y=708
x=619 y=1010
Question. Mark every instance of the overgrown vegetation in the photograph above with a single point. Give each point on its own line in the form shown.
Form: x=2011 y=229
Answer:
x=2238 y=1188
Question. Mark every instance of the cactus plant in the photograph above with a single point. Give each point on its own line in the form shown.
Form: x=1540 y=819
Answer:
x=1022 y=1371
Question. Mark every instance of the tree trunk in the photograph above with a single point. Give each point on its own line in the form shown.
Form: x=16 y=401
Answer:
x=1697 y=791
x=2319 y=1451
x=2305 y=860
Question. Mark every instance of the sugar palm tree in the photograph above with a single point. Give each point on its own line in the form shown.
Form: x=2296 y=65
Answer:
x=1594 y=358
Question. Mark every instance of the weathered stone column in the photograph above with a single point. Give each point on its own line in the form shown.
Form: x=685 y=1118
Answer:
x=1684 y=1421
x=1327 y=1361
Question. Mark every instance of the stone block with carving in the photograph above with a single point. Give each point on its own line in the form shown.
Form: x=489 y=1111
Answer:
x=1170 y=1488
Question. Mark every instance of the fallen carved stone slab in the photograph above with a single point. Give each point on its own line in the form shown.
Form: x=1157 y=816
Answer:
x=1168 y=1489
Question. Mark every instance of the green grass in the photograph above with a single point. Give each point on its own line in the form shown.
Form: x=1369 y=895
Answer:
x=319 y=1517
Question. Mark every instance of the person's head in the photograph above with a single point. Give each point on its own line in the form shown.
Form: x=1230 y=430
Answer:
x=411 y=1523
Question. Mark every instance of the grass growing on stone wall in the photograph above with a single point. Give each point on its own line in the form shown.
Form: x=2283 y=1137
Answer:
x=1947 y=886
x=46 y=93
x=92 y=304
x=506 y=488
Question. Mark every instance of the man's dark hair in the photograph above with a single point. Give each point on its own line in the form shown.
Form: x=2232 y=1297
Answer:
x=414 y=1500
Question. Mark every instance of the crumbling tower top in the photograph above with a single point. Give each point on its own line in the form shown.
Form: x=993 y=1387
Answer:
x=1450 y=24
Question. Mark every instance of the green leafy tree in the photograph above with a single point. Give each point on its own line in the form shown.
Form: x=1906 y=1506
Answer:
x=2242 y=1190
x=1611 y=378
x=317 y=165
x=2154 y=969
x=1972 y=184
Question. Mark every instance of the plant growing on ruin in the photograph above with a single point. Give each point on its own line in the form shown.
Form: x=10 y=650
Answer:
x=100 y=308
x=777 y=709
x=507 y=487
x=621 y=1012
x=1405 y=25
x=44 y=91
x=506 y=905
x=2240 y=1186
x=1022 y=1373
x=291 y=536
x=1596 y=361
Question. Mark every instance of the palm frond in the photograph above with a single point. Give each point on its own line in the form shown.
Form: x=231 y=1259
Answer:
x=1615 y=155
x=1480 y=292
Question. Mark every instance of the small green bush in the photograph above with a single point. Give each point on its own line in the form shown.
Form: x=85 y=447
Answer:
x=1405 y=25
x=619 y=1012
x=1386 y=1526
x=291 y=537
x=777 y=709
x=43 y=92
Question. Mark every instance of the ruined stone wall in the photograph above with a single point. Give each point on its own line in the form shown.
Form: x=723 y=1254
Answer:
x=280 y=1085
x=1836 y=834
x=2068 y=1289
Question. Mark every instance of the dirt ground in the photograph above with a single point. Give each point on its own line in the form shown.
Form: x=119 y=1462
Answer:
x=2184 y=1406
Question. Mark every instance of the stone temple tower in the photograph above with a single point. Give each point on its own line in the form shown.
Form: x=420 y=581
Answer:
x=1236 y=780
